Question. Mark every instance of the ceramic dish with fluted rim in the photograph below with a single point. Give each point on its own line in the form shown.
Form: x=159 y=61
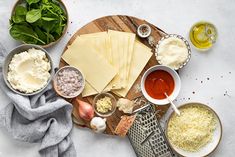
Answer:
x=178 y=37
x=20 y=49
x=62 y=5
x=208 y=148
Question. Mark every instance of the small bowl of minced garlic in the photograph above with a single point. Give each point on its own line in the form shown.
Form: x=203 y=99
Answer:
x=104 y=104
x=27 y=69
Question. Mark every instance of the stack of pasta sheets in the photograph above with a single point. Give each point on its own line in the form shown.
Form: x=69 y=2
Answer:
x=110 y=61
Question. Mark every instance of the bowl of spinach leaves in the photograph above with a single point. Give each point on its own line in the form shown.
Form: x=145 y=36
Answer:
x=40 y=22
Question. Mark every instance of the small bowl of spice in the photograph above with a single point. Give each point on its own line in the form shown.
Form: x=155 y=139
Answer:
x=104 y=104
x=144 y=31
x=69 y=82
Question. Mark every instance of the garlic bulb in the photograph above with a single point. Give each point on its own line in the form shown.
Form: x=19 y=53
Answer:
x=98 y=124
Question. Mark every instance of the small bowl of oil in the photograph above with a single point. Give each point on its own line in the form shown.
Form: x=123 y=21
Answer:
x=203 y=35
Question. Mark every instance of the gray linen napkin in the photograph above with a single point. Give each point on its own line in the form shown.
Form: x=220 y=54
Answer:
x=43 y=118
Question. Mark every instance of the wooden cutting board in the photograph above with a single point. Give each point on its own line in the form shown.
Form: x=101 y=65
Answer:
x=125 y=24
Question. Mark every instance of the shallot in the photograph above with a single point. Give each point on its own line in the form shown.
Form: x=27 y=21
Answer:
x=85 y=110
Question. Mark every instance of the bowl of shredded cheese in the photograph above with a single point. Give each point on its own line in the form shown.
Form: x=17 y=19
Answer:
x=196 y=132
x=104 y=104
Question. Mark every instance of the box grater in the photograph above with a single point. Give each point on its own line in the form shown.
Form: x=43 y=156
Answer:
x=146 y=135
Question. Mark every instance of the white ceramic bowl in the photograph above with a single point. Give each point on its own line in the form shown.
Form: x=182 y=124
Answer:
x=175 y=92
x=211 y=146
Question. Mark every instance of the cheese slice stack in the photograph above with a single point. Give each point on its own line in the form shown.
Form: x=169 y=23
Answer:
x=120 y=48
x=110 y=61
x=97 y=70
x=140 y=58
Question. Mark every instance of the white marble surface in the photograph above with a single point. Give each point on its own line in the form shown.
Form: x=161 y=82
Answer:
x=174 y=17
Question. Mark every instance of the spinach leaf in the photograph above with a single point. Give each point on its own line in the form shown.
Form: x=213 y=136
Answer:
x=41 y=34
x=20 y=10
x=44 y=1
x=18 y=18
x=33 y=15
x=59 y=30
x=50 y=38
x=25 y=33
x=48 y=25
x=49 y=19
x=56 y=8
x=32 y=1
x=19 y=15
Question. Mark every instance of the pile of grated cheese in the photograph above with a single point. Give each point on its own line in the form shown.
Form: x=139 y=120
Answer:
x=193 y=129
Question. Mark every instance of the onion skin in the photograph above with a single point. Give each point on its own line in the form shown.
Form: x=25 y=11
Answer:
x=85 y=110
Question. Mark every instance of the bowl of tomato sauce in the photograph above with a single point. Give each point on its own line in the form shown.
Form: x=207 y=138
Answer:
x=158 y=81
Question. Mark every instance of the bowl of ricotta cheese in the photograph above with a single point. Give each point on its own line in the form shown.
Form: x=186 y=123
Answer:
x=27 y=69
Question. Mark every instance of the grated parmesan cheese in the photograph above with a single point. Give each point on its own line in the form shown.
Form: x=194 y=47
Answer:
x=172 y=52
x=193 y=129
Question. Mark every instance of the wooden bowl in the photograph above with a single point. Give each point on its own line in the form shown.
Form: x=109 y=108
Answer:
x=62 y=5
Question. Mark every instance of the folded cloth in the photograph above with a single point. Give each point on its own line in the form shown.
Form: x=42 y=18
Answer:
x=43 y=118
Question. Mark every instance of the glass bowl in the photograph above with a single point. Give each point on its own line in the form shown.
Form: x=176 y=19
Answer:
x=203 y=35
x=113 y=101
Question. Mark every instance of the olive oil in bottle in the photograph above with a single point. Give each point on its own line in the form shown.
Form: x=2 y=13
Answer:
x=203 y=35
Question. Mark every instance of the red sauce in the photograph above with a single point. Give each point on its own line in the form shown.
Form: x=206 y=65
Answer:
x=158 y=82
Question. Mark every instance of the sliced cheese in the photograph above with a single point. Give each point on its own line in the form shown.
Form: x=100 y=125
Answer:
x=130 y=53
x=101 y=42
x=98 y=72
x=124 y=45
x=114 y=37
x=121 y=55
x=140 y=58
x=89 y=90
